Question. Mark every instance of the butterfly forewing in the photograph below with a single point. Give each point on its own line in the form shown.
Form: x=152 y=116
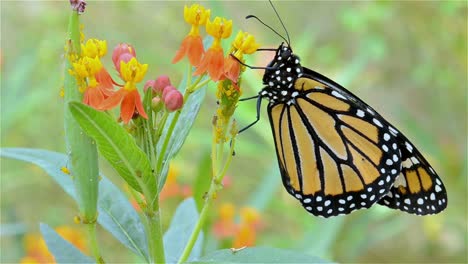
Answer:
x=337 y=164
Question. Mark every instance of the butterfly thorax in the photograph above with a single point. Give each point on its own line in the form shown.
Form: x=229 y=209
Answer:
x=280 y=76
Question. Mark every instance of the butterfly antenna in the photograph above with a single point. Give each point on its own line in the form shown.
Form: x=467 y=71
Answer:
x=252 y=16
x=281 y=21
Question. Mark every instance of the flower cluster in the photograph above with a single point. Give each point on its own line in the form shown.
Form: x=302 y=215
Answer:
x=237 y=234
x=225 y=70
x=163 y=91
x=212 y=61
x=98 y=86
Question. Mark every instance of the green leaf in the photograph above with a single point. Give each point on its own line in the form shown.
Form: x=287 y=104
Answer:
x=182 y=128
x=116 y=214
x=178 y=234
x=258 y=255
x=117 y=146
x=63 y=251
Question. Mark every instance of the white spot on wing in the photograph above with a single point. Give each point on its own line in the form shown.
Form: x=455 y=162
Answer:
x=360 y=113
x=377 y=122
x=336 y=94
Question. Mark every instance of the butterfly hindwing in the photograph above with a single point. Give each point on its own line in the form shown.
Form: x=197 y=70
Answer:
x=418 y=189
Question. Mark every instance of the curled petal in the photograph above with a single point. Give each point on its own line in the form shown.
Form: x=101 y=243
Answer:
x=113 y=100
x=192 y=47
x=231 y=69
x=128 y=106
x=93 y=97
x=213 y=62
x=139 y=105
x=105 y=82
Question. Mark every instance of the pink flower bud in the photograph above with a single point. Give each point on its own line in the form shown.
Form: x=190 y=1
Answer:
x=149 y=83
x=166 y=90
x=120 y=49
x=125 y=57
x=161 y=83
x=173 y=100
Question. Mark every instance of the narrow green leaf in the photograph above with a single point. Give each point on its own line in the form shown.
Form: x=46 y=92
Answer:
x=258 y=255
x=116 y=214
x=82 y=151
x=178 y=234
x=117 y=146
x=63 y=251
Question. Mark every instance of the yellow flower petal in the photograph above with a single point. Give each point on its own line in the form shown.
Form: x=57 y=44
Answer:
x=219 y=28
x=132 y=72
x=94 y=48
x=245 y=43
x=196 y=14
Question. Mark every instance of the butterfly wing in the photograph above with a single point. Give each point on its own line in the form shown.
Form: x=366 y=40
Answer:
x=336 y=154
x=418 y=189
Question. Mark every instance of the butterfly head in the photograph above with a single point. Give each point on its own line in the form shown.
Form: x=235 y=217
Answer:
x=282 y=72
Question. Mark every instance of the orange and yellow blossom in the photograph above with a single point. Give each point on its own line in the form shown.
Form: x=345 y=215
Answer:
x=94 y=48
x=225 y=227
x=192 y=45
x=213 y=60
x=132 y=72
x=244 y=43
x=250 y=223
x=93 y=79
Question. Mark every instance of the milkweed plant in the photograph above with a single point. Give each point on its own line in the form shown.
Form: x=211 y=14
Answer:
x=154 y=118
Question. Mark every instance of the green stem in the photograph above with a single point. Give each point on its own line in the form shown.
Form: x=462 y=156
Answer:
x=155 y=237
x=81 y=148
x=214 y=187
x=93 y=244
x=200 y=223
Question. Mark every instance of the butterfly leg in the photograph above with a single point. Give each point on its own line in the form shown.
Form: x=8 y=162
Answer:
x=259 y=105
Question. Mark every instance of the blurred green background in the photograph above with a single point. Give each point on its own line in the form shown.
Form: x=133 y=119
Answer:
x=406 y=59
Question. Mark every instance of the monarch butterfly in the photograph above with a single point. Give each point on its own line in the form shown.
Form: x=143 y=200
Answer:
x=336 y=154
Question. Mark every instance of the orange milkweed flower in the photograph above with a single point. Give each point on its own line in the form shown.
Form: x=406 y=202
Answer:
x=225 y=227
x=247 y=233
x=213 y=60
x=94 y=48
x=244 y=43
x=132 y=72
x=99 y=82
x=192 y=45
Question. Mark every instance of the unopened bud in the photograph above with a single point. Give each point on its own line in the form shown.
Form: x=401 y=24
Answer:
x=166 y=90
x=174 y=100
x=161 y=83
x=120 y=49
x=148 y=84
x=125 y=57
x=78 y=5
